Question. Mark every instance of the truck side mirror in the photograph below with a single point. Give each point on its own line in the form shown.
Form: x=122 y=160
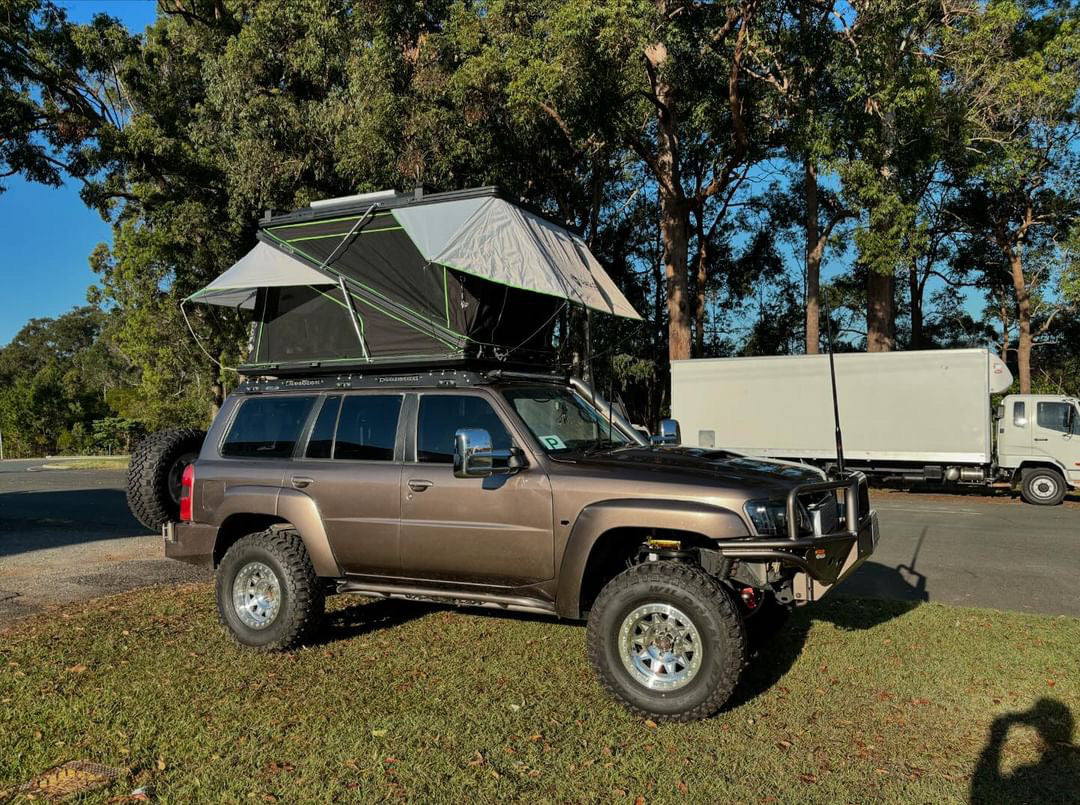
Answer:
x=474 y=457
x=668 y=432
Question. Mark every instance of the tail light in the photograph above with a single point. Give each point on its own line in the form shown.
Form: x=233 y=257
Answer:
x=187 y=493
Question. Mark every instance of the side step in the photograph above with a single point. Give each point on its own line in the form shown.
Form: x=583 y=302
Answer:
x=442 y=596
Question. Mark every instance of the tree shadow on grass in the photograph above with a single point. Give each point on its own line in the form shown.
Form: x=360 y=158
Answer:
x=1054 y=777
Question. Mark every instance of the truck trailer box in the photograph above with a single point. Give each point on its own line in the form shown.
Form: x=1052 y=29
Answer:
x=920 y=406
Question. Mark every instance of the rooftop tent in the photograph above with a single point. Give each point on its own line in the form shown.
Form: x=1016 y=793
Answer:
x=445 y=276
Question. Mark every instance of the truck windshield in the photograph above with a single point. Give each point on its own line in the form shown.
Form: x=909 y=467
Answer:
x=562 y=421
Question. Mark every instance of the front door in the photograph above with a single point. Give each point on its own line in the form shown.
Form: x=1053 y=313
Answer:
x=351 y=467
x=1056 y=434
x=487 y=531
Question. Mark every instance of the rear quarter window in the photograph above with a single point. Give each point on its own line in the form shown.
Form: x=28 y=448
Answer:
x=266 y=427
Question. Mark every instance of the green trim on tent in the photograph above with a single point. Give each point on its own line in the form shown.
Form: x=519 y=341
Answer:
x=446 y=295
x=342 y=234
x=328 y=221
x=384 y=359
x=372 y=291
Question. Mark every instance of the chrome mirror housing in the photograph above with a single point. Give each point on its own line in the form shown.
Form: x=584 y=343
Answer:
x=668 y=433
x=474 y=457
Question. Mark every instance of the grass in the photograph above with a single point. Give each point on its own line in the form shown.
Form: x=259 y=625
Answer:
x=856 y=701
x=94 y=463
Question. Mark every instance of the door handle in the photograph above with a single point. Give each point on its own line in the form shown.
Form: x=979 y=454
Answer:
x=300 y=482
x=1038 y=439
x=419 y=485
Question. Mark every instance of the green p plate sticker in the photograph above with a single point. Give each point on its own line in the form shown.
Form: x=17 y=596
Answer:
x=553 y=442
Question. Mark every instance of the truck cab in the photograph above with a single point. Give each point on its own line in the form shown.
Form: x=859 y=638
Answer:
x=1038 y=437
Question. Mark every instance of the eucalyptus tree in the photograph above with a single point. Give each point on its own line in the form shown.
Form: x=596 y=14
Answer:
x=1014 y=70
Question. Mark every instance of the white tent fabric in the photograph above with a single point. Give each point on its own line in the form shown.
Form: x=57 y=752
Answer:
x=503 y=243
x=262 y=267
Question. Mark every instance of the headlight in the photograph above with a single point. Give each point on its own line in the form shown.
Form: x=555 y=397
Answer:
x=770 y=518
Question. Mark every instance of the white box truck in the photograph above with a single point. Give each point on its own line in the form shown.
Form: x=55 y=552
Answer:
x=916 y=416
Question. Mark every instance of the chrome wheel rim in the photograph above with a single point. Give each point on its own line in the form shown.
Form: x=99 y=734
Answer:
x=660 y=647
x=256 y=595
x=1043 y=488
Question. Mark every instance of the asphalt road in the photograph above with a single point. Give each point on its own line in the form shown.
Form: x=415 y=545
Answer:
x=66 y=535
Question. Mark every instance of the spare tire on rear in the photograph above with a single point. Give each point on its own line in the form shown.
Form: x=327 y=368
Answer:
x=157 y=467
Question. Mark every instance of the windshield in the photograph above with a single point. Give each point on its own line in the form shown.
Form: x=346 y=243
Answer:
x=562 y=421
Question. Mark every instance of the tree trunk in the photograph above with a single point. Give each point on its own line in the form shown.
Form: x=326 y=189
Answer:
x=815 y=249
x=700 y=300
x=673 y=230
x=916 y=306
x=1023 y=319
x=217 y=398
x=880 y=326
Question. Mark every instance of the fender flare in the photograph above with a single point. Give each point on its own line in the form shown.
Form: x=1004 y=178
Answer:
x=595 y=520
x=299 y=510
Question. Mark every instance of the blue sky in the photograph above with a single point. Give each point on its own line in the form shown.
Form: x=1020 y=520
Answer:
x=48 y=233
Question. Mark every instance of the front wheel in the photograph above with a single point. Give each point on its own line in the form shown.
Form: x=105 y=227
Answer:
x=268 y=595
x=667 y=641
x=1042 y=487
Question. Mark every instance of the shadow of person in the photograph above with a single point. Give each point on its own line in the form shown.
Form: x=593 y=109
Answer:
x=1055 y=777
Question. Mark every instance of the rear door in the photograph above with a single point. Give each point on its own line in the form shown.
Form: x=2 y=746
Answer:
x=351 y=466
x=488 y=531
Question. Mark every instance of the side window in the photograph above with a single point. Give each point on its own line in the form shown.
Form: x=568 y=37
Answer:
x=267 y=427
x=442 y=415
x=1054 y=416
x=1019 y=415
x=367 y=427
x=321 y=442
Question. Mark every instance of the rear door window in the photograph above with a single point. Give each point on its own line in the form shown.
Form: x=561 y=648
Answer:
x=267 y=427
x=367 y=427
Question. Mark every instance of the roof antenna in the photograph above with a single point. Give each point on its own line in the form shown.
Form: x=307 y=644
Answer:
x=832 y=376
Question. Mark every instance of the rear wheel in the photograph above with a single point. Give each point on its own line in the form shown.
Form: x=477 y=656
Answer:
x=268 y=595
x=157 y=467
x=1042 y=487
x=667 y=641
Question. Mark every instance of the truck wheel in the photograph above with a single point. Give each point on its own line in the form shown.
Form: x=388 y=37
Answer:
x=667 y=641
x=157 y=465
x=1042 y=487
x=268 y=595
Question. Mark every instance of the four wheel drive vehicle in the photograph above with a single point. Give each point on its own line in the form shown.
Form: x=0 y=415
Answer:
x=515 y=491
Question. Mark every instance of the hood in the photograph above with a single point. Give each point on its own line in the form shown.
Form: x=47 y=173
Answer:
x=699 y=466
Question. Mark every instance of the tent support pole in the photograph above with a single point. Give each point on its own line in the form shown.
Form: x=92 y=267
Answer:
x=352 y=315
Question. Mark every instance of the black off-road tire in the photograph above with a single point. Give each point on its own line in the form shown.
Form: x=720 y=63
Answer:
x=302 y=598
x=706 y=602
x=1040 y=486
x=152 y=475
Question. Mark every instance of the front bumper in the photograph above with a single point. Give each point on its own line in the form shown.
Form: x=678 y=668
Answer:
x=190 y=542
x=821 y=560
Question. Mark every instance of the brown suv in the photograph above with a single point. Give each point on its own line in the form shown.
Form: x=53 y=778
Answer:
x=509 y=490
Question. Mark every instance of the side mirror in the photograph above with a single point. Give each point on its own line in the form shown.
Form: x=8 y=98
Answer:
x=668 y=432
x=474 y=456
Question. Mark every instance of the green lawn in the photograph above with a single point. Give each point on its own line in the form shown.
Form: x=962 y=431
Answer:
x=857 y=701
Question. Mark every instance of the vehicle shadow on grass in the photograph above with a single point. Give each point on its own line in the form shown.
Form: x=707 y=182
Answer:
x=1054 y=777
x=367 y=616
x=893 y=592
